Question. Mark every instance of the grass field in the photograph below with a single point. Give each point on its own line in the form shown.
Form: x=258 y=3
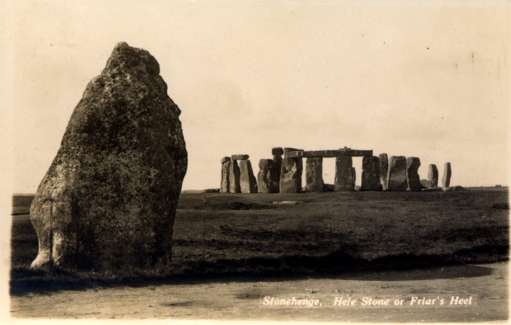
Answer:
x=240 y=235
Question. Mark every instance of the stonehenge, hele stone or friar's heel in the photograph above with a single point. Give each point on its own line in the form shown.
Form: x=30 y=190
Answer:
x=370 y=174
x=277 y=153
x=265 y=182
x=234 y=177
x=224 y=183
x=384 y=170
x=314 y=174
x=248 y=183
x=446 y=177
x=108 y=200
x=432 y=176
x=396 y=176
x=291 y=173
x=412 y=174
x=344 y=174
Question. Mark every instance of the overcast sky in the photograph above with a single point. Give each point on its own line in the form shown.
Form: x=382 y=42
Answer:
x=422 y=79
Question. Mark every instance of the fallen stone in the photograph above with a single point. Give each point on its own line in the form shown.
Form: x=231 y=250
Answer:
x=239 y=157
x=396 y=177
x=432 y=176
x=248 y=183
x=370 y=174
x=344 y=174
x=412 y=174
x=384 y=170
x=224 y=182
x=446 y=178
x=109 y=198
x=314 y=175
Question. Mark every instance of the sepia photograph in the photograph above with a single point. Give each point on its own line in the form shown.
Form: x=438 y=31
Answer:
x=318 y=161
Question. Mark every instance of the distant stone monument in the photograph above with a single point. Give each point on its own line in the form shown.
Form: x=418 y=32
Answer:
x=412 y=174
x=109 y=198
x=248 y=183
x=370 y=174
x=396 y=177
x=291 y=174
x=314 y=174
x=432 y=176
x=344 y=174
x=384 y=170
x=446 y=178
x=226 y=166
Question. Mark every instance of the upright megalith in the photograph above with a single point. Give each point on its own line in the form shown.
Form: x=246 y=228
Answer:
x=412 y=174
x=109 y=198
x=344 y=174
x=396 y=176
x=224 y=182
x=432 y=176
x=291 y=174
x=277 y=153
x=446 y=177
x=264 y=181
x=384 y=169
x=234 y=177
x=370 y=174
x=314 y=174
x=248 y=183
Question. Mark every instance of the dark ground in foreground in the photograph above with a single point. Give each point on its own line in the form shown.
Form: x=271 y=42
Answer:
x=247 y=236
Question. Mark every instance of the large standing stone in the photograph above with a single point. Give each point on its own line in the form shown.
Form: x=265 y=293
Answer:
x=370 y=174
x=277 y=153
x=291 y=174
x=446 y=177
x=432 y=176
x=396 y=178
x=265 y=183
x=412 y=174
x=224 y=183
x=109 y=198
x=314 y=174
x=248 y=183
x=384 y=169
x=234 y=177
x=344 y=174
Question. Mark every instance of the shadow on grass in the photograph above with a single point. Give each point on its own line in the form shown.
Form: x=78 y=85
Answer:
x=337 y=265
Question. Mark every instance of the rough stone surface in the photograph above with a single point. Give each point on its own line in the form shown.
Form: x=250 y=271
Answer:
x=412 y=174
x=248 y=183
x=396 y=176
x=446 y=177
x=384 y=170
x=265 y=183
x=344 y=174
x=291 y=174
x=432 y=176
x=234 y=177
x=240 y=157
x=224 y=183
x=109 y=198
x=277 y=151
x=314 y=174
x=371 y=174
x=276 y=166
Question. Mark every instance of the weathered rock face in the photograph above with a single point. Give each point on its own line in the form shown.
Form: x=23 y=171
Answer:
x=344 y=174
x=446 y=177
x=291 y=174
x=234 y=177
x=248 y=183
x=276 y=166
x=371 y=174
x=314 y=174
x=224 y=183
x=432 y=176
x=396 y=178
x=264 y=179
x=240 y=157
x=384 y=170
x=109 y=198
x=412 y=174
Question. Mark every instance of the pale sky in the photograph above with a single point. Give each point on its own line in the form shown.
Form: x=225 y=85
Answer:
x=426 y=79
